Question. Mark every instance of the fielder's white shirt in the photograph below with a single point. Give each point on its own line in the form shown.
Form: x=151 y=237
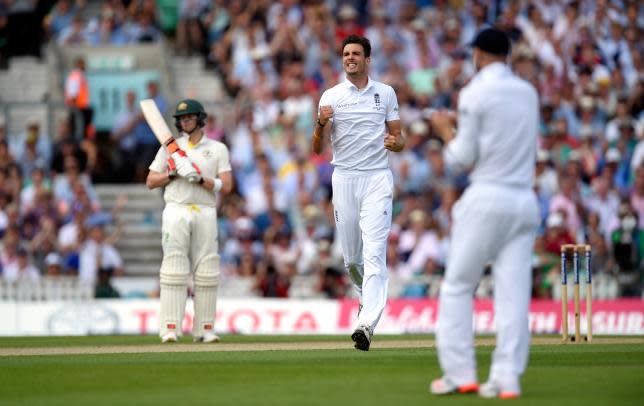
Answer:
x=499 y=147
x=358 y=124
x=210 y=156
x=88 y=259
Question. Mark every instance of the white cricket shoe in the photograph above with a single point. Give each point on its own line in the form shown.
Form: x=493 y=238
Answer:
x=362 y=337
x=170 y=337
x=207 y=337
x=444 y=386
x=492 y=389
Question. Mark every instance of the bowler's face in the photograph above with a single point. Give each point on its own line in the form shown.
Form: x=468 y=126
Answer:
x=353 y=60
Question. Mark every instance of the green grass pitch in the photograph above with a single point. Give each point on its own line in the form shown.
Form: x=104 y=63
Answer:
x=599 y=374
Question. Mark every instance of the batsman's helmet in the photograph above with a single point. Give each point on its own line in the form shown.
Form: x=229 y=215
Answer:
x=189 y=106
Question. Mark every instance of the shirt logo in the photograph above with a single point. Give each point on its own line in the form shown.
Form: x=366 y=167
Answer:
x=376 y=99
x=345 y=105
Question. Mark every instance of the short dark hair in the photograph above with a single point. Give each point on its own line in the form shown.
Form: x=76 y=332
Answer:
x=356 y=39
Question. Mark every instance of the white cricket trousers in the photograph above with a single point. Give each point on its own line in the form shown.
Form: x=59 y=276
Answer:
x=496 y=225
x=362 y=203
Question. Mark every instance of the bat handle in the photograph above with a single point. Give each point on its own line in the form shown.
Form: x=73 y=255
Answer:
x=194 y=178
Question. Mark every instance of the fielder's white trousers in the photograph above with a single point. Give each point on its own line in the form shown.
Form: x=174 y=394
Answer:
x=497 y=225
x=362 y=203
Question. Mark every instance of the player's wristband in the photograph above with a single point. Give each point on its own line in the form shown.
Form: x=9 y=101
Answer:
x=201 y=180
x=218 y=184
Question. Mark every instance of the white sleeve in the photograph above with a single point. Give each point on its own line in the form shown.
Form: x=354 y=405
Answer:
x=392 y=105
x=72 y=86
x=325 y=100
x=112 y=257
x=160 y=163
x=224 y=160
x=462 y=152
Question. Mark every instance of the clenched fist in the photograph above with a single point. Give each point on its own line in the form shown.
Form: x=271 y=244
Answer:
x=394 y=143
x=326 y=112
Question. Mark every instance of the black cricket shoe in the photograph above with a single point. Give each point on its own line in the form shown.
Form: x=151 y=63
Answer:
x=362 y=337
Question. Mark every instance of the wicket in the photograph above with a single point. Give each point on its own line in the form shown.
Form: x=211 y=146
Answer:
x=576 y=250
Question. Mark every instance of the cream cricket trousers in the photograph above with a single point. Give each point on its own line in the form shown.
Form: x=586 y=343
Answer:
x=362 y=203
x=497 y=225
x=189 y=241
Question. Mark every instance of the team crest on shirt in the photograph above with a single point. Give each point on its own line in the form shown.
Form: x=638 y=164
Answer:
x=207 y=153
x=376 y=102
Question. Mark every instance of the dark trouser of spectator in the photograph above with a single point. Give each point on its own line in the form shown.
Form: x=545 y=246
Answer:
x=190 y=37
x=145 y=154
x=630 y=283
x=124 y=164
x=80 y=123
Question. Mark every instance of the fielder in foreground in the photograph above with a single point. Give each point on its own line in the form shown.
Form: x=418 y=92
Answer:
x=495 y=221
x=189 y=229
x=361 y=117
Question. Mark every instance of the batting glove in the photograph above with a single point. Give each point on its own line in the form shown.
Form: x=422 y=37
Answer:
x=172 y=168
x=185 y=167
x=199 y=178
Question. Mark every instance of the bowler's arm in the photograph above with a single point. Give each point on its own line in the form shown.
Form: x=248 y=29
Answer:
x=394 y=139
x=320 y=132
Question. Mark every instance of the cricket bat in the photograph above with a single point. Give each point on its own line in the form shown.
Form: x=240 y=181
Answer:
x=156 y=122
x=161 y=130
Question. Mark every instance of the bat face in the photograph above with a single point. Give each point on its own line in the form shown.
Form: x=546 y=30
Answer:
x=156 y=121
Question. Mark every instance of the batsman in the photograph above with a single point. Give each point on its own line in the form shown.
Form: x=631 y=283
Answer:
x=193 y=169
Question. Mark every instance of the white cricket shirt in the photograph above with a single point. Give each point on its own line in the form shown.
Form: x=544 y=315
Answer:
x=358 y=124
x=210 y=156
x=498 y=115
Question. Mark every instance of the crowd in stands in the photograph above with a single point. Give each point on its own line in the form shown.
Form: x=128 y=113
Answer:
x=276 y=57
x=51 y=222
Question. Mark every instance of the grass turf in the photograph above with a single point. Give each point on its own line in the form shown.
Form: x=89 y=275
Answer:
x=599 y=374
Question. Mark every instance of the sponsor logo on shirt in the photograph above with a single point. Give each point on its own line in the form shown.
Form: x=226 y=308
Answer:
x=346 y=105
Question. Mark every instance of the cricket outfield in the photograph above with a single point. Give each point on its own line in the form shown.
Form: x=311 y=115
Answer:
x=298 y=370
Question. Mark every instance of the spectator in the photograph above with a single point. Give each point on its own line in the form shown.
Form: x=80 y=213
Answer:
x=124 y=134
x=72 y=187
x=95 y=254
x=627 y=242
x=190 y=37
x=271 y=283
x=21 y=269
x=53 y=265
x=104 y=288
x=77 y=99
x=32 y=148
x=60 y=17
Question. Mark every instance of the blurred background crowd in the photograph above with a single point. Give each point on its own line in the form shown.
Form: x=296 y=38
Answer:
x=274 y=59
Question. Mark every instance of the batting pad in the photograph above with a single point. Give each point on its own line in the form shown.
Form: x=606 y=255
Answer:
x=205 y=295
x=174 y=283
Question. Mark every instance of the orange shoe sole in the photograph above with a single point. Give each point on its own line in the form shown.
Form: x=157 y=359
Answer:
x=473 y=387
